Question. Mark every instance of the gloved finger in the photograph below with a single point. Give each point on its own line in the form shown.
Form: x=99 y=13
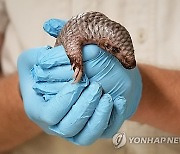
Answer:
x=57 y=107
x=48 y=88
x=100 y=66
x=53 y=57
x=54 y=26
x=80 y=112
x=57 y=56
x=97 y=124
x=117 y=117
x=63 y=73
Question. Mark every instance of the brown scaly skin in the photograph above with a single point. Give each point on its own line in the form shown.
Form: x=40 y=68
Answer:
x=95 y=28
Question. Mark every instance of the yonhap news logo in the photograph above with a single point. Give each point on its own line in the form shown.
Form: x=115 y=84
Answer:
x=120 y=139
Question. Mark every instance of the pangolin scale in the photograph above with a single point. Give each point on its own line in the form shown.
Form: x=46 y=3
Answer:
x=95 y=28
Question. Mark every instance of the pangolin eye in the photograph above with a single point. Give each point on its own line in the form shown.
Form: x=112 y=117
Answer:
x=115 y=50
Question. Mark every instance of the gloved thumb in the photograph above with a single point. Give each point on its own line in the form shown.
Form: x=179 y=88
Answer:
x=54 y=26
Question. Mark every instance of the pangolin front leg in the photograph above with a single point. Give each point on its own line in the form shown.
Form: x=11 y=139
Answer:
x=75 y=56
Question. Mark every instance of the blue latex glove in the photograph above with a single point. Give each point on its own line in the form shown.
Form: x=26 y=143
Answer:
x=68 y=108
x=93 y=114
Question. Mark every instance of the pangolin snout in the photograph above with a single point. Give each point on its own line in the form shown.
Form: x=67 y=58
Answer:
x=130 y=65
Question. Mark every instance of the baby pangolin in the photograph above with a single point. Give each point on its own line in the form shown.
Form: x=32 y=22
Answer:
x=95 y=28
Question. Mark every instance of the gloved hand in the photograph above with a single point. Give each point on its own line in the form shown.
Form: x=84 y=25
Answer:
x=95 y=113
x=68 y=103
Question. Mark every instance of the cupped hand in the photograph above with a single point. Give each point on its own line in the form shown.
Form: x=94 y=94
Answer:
x=95 y=108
